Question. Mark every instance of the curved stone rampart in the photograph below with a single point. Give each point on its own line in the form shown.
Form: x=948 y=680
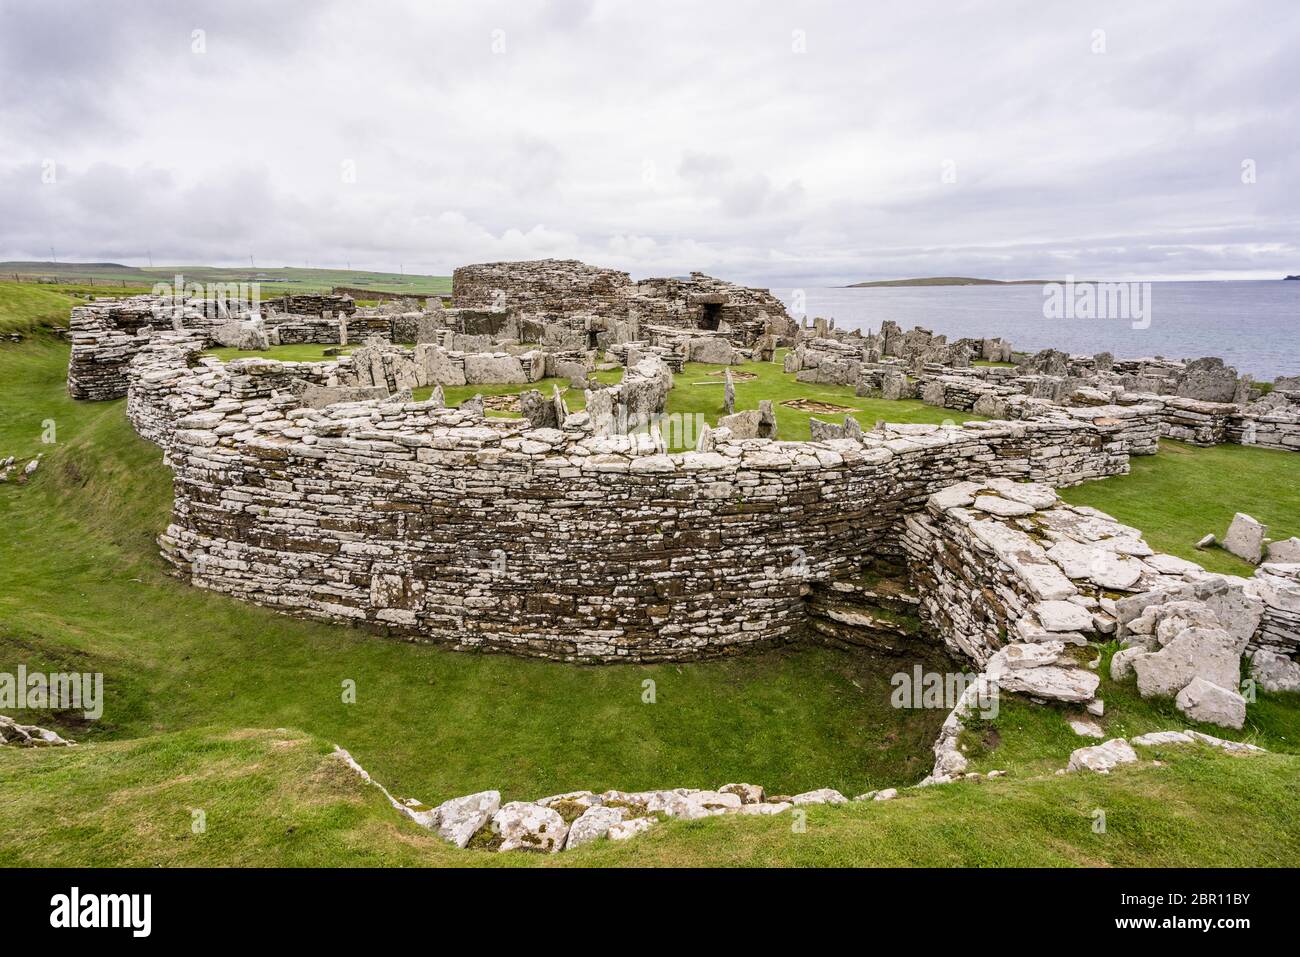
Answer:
x=443 y=525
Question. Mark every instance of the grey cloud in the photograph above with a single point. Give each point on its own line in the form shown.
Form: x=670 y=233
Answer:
x=687 y=136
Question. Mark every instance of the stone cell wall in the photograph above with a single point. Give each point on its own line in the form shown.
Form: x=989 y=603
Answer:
x=105 y=337
x=556 y=290
x=442 y=525
x=312 y=305
x=552 y=288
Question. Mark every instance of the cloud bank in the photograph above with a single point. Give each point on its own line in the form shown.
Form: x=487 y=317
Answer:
x=807 y=145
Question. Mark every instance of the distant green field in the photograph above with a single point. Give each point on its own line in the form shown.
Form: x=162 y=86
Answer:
x=274 y=280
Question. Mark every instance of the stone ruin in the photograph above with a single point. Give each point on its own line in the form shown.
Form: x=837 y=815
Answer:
x=1200 y=401
x=323 y=490
x=553 y=317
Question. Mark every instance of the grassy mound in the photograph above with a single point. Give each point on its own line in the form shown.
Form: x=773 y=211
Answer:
x=277 y=798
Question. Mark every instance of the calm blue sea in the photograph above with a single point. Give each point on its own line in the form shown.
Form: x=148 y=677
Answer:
x=1254 y=326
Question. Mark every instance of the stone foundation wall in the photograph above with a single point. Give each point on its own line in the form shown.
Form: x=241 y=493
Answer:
x=443 y=525
x=557 y=290
x=550 y=288
x=311 y=305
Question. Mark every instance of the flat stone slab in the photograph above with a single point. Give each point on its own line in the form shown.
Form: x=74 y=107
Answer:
x=1059 y=615
x=1026 y=558
x=1102 y=758
x=1002 y=507
x=1245 y=538
x=1076 y=685
x=820 y=796
x=1154 y=738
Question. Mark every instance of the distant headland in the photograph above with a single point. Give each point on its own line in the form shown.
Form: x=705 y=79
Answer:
x=950 y=281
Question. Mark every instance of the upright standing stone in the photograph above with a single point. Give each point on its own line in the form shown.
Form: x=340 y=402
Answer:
x=729 y=394
x=1245 y=538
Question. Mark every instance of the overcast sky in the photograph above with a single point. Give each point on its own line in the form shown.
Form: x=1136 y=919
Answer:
x=777 y=143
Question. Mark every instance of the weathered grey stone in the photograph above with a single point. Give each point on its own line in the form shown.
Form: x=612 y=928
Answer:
x=526 y=826
x=539 y=410
x=713 y=350
x=1051 y=682
x=765 y=808
x=1030 y=493
x=1236 y=746
x=1158 y=738
x=820 y=796
x=631 y=828
x=1121 y=663
x=1063 y=616
x=1006 y=508
x=1085 y=728
x=1274 y=672
x=1209 y=653
x=593 y=824
x=698 y=804
x=1102 y=758
x=1203 y=701
x=320 y=396
x=461 y=818
x=500 y=368
x=1284 y=552
x=748 y=793
x=1245 y=538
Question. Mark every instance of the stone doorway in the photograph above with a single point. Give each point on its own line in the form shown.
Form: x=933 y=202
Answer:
x=710 y=316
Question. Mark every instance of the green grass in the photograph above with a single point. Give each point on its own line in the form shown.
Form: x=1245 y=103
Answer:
x=26 y=307
x=1185 y=492
x=301 y=352
x=109 y=279
x=698 y=389
x=275 y=798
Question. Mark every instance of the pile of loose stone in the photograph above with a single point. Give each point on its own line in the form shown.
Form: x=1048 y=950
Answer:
x=1023 y=585
x=570 y=820
x=8 y=468
x=1105 y=757
x=29 y=735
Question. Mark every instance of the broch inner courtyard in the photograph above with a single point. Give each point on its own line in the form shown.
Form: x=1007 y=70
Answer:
x=324 y=489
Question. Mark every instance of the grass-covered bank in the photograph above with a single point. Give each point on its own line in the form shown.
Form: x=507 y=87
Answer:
x=1185 y=492
x=276 y=798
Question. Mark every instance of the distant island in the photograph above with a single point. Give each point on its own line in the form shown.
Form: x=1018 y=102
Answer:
x=952 y=281
x=1293 y=277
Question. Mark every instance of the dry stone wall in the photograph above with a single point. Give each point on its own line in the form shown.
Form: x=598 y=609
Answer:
x=440 y=524
x=558 y=290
